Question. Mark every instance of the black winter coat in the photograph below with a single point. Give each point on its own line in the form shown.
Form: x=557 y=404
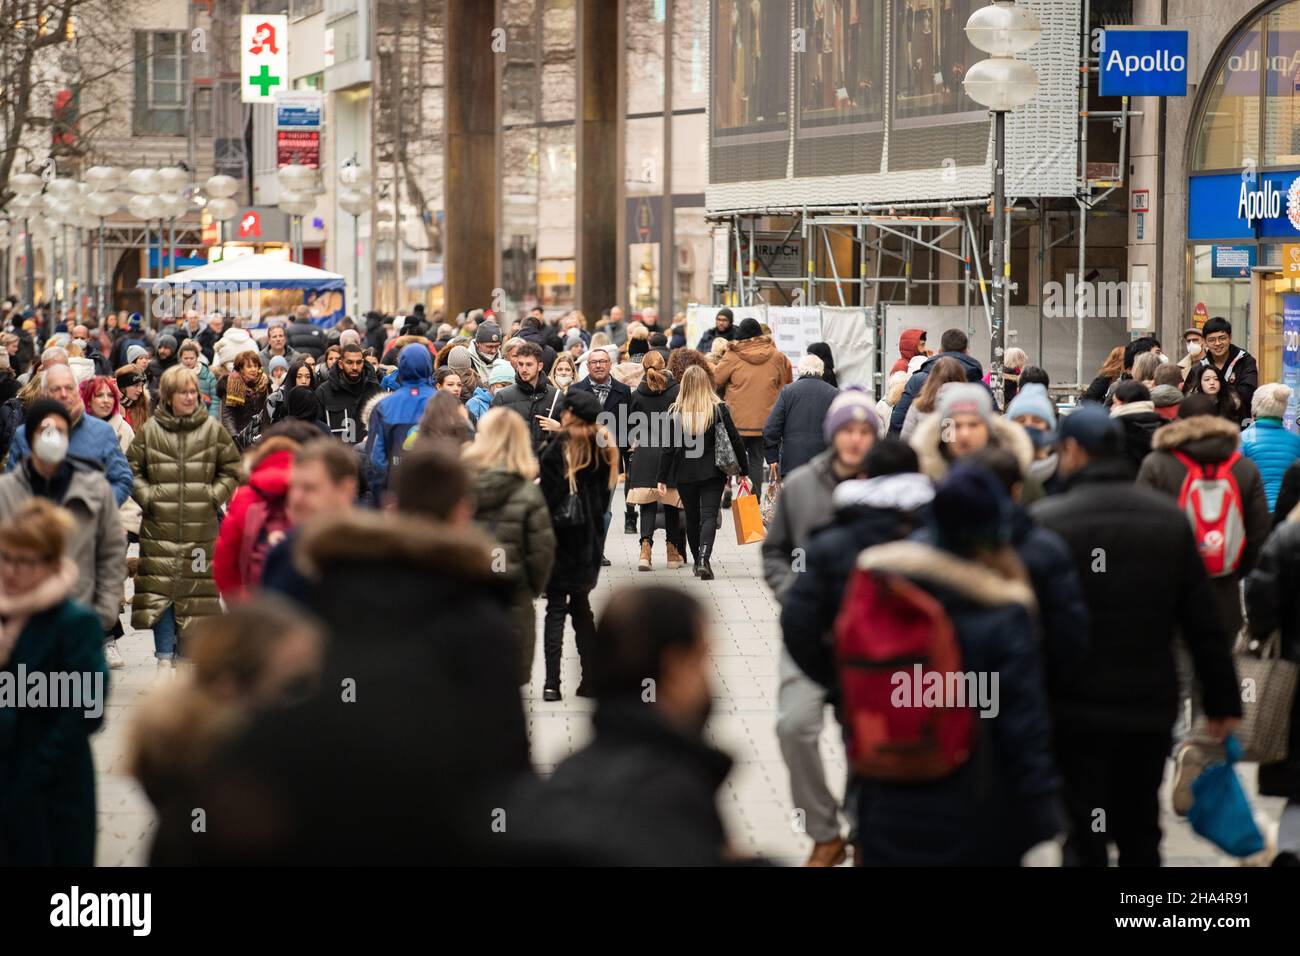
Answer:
x=642 y=793
x=341 y=402
x=426 y=649
x=530 y=401
x=613 y=408
x=1007 y=796
x=1139 y=429
x=793 y=434
x=1144 y=583
x=1288 y=496
x=1096 y=391
x=648 y=419
x=706 y=340
x=578 y=549
x=1273 y=604
x=308 y=338
x=695 y=460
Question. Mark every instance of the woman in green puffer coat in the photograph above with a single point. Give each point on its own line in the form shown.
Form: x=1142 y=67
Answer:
x=509 y=506
x=186 y=466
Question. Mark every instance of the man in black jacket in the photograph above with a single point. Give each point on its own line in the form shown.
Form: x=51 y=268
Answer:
x=347 y=387
x=953 y=345
x=724 y=327
x=1239 y=368
x=1144 y=583
x=532 y=396
x=614 y=398
x=210 y=334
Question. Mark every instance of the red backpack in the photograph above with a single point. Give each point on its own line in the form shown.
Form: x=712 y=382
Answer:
x=888 y=626
x=265 y=523
x=1212 y=501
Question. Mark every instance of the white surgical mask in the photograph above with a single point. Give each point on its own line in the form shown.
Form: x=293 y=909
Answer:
x=1193 y=347
x=51 y=446
x=1164 y=359
x=563 y=380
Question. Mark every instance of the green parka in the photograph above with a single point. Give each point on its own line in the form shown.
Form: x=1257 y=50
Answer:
x=184 y=469
x=512 y=510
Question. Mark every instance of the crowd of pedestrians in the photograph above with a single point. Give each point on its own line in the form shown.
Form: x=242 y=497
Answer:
x=379 y=510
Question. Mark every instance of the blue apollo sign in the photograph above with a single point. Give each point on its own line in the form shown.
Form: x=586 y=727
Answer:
x=1244 y=206
x=1139 y=62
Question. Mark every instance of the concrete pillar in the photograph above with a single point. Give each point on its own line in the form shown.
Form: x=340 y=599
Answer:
x=599 y=186
x=471 y=256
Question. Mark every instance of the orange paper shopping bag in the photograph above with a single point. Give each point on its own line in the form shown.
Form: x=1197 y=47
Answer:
x=747 y=516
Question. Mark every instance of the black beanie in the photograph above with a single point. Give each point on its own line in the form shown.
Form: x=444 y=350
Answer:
x=583 y=404
x=637 y=347
x=749 y=329
x=40 y=410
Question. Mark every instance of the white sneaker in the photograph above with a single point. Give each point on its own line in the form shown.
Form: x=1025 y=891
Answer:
x=114 y=656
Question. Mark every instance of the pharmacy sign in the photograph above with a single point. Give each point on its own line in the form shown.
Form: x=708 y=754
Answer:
x=264 y=57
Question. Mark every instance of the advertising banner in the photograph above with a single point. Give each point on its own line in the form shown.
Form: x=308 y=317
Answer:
x=1291 y=354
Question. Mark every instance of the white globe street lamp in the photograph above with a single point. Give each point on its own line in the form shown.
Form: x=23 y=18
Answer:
x=354 y=199
x=1001 y=83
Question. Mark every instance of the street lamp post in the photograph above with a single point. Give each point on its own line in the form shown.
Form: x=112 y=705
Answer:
x=1001 y=83
x=102 y=201
x=354 y=200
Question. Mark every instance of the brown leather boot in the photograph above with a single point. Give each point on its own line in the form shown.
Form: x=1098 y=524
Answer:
x=644 y=562
x=831 y=853
x=675 y=559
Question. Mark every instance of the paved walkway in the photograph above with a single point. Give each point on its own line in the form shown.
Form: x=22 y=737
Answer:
x=755 y=800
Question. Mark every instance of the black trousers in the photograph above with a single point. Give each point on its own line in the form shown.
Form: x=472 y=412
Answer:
x=559 y=604
x=701 y=500
x=672 y=525
x=1112 y=783
x=757 y=462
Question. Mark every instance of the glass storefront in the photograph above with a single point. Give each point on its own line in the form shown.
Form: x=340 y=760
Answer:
x=538 y=188
x=841 y=77
x=751 y=56
x=1244 y=189
x=665 y=155
x=931 y=54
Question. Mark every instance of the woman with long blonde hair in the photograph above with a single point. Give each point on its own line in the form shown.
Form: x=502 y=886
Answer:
x=510 y=506
x=692 y=467
x=579 y=469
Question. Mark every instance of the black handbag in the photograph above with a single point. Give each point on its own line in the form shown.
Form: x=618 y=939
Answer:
x=571 y=513
x=724 y=452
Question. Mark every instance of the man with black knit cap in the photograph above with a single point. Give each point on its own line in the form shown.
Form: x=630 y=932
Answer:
x=97 y=545
x=164 y=358
x=1145 y=583
x=723 y=328
x=486 y=352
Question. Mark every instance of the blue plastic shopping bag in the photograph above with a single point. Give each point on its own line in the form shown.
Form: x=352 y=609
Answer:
x=1220 y=811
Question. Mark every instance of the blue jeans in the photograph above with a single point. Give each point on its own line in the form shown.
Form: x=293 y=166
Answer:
x=164 y=635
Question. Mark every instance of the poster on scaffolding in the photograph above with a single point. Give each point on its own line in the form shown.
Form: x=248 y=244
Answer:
x=794 y=329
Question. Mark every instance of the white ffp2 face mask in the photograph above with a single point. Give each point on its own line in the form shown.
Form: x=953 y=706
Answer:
x=51 y=446
x=564 y=380
x=1193 y=348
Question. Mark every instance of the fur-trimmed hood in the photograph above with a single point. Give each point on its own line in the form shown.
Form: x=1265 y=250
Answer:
x=1204 y=438
x=1005 y=434
x=383 y=538
x=927 y=564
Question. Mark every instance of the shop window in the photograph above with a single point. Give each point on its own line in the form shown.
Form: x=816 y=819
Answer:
x=841 y=76
x=931 y=54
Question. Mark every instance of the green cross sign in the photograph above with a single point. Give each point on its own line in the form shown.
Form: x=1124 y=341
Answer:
x=264 y=80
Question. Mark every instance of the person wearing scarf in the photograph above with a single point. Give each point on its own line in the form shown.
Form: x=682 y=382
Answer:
x=245 y=390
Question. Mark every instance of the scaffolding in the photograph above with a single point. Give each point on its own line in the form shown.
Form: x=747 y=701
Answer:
x=947 y=229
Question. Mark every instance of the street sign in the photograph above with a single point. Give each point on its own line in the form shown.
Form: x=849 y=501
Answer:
x=1290 y=354
x=1143 y=62
x=1141 y=200
x=297 y=146
x=1231 y=262
x=264 y=57
x=774 y=255
x=298 y=109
